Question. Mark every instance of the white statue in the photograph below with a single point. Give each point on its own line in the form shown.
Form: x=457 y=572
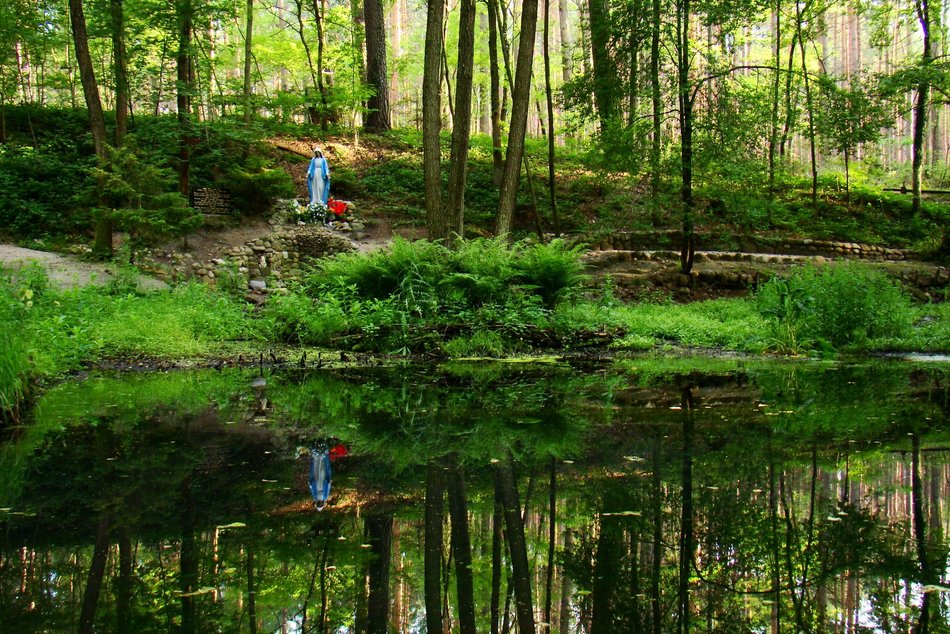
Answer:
x=318 y=178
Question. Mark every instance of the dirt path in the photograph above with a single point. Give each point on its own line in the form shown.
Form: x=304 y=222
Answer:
x=67 y=271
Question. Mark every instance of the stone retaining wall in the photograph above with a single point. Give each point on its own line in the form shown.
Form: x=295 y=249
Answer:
x=636 y=241
x=278 y=255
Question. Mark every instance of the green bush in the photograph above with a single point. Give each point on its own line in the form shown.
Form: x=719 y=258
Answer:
x=254 y=187
x=842 y=305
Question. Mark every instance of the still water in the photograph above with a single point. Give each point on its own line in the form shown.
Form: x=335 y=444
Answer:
x=634 y=496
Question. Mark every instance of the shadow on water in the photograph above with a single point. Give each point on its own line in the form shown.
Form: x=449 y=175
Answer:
x=630 y=497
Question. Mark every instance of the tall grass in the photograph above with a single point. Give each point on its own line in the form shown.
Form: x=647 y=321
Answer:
x=14 y=361
x=837 y=306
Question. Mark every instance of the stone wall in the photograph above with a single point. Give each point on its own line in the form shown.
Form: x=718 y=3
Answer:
x=279 y=256
x=650 y=240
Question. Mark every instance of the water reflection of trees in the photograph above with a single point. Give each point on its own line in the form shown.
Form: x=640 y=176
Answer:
x=753 y=505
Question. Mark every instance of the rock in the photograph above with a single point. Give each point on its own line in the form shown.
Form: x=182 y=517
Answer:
x=202 y=272
x=255 y=298
x=218 y=261
x=818 y=259
x=257 y=285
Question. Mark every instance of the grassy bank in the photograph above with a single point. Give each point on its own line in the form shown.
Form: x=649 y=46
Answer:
x=481 y=299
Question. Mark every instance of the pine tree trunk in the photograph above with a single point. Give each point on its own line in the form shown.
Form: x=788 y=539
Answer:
x=514 y=527
x=121 y=73
x=498 y=160
x=97 y=568
x=437 y=221
x=604 y=75
x=550 y=103
x=248 y=53
x=377 y=116
x=461 y=129
x=519 y=118
x=379 y=530
x=97 y=121
x=461 y=547
x=433 y=544
x=920 y=105
x=185 y=89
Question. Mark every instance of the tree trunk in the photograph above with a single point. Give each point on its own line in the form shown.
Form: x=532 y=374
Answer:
x=437 y=221
x=567 y=61
x=123 y=600
x=808 y=105
x=185 y=89
x=251 y=589
x=921 y=104
x=498 y=161
x=604 y=74
x=377 y=116
x=686 y=132
x=496 y=563
x=121 y=73
x=435 y=487
x=461 y=128
x=687 y=543
x=188 y=561
x=97 y=121
x=97 y=568
x=379 y=529
x=657 y=110
x=326 y=116
x=461 y=549
x=519 y=118
x=773 y=129
x=514 y=524
x=248 y=56
x=552 y=540
x=550 y=101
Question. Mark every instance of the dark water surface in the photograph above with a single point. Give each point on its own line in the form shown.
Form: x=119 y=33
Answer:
x=701 y=496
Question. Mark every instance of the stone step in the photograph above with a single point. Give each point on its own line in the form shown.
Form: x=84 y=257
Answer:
x=602 y=259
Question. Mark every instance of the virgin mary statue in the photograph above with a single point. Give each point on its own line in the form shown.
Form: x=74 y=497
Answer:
x=318 y=178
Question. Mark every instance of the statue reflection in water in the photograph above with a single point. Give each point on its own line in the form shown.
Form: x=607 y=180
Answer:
x=321 y=473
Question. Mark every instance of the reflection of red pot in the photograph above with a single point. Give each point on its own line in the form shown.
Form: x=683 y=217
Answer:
x=338 y=207
x=337 y=451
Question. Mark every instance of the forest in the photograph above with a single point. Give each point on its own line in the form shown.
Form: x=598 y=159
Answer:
x=761 y=113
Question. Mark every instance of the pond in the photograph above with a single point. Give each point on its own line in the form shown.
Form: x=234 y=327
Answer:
x=686 y=495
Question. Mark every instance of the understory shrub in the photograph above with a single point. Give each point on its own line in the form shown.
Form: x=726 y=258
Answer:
x=839 y=305
x=372 y=299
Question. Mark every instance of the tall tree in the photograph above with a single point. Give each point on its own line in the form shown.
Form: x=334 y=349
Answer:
x=604 y=72
x=924 y=9
x=432 y=564
x=377 y=116
x=97 y=121
x=507 y=491
x=120 y=64
x=248 y=58
x=462 y=122
x=550 y=102
x=437 y=221
x=519 y=117
x=498 y=160
x=686 y=100
x=184 y=12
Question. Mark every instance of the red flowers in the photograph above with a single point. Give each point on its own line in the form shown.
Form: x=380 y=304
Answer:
x=338 y=207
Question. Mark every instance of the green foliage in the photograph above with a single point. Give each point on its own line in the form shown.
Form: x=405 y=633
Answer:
x=842 y=305
x=40 y=188
x=255 y=187
x=139 y=197
x=14 y=363
x=387 y=299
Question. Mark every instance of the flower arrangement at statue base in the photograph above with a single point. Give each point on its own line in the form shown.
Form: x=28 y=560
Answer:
x=316 y=212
